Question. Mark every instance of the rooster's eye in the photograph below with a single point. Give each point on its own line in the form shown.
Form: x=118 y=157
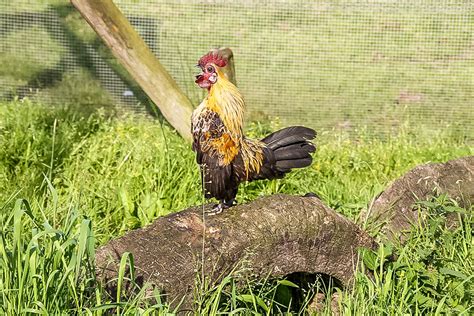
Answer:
x=210 y=69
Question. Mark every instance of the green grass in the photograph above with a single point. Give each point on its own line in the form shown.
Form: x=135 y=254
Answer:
x=70 y=181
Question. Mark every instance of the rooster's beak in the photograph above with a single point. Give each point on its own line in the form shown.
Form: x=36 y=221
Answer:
x=202 y=81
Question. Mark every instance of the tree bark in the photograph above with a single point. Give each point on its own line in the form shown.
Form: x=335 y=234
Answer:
x=128 y=47
x=272 y=236
x=394 y=212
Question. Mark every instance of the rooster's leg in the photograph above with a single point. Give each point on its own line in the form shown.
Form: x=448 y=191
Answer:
x=220 y=207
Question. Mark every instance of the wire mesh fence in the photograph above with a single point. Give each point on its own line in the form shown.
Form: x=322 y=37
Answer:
x=376 y=64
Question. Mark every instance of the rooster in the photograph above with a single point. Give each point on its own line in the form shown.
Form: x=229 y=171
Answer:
x=225 y=155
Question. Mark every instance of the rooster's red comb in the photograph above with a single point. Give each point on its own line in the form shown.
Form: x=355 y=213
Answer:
x=214 y=58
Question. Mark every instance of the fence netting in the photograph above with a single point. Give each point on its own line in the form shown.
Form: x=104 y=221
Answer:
x=373 y=64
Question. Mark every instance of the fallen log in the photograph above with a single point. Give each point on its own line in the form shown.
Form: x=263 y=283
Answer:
x=394 y=211
x=273 y=236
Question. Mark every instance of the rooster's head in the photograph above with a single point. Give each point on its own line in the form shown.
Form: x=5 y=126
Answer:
x=210 y=65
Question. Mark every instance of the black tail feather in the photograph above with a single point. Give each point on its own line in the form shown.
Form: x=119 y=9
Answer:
x=288 y=136
x=287 y=165
x=294 y=151
x=287 y=149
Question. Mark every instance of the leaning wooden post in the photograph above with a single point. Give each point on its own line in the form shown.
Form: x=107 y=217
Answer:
x=133 y=53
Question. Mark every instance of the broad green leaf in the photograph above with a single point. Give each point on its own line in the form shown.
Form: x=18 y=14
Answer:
x=457 y=274
x=288 y=283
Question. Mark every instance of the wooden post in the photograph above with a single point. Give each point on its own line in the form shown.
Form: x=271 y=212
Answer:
x=129 y=48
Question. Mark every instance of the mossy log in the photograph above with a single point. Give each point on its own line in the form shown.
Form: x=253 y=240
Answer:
x=394 y=212
x=273 y=236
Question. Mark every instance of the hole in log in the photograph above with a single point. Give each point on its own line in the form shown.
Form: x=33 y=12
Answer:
x=300 y=292
x=314 y=288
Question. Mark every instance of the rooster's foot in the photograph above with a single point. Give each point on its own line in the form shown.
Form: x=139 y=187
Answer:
x=220 y=207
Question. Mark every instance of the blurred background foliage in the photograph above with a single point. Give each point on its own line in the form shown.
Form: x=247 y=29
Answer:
x=324 y=64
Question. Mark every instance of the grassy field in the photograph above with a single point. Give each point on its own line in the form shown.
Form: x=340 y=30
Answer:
x=71 y=181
